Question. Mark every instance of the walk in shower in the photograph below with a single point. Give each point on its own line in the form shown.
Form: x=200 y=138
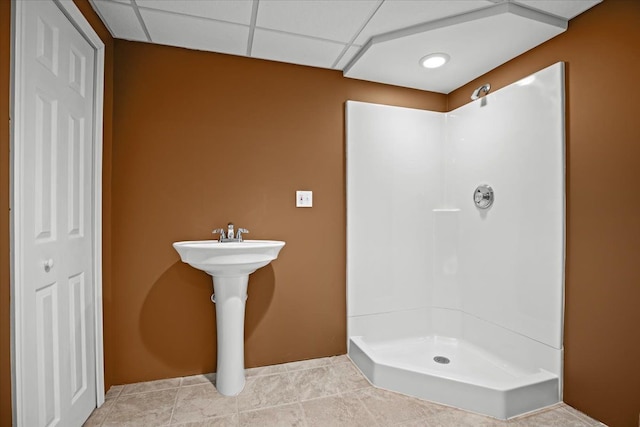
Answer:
x=455 y=247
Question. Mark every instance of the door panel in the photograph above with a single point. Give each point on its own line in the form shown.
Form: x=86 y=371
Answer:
x=48 y=353
x=78 y=336
x=46 y=120
x=75 y=170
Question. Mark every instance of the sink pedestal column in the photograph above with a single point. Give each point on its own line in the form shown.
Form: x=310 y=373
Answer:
x=230 y=298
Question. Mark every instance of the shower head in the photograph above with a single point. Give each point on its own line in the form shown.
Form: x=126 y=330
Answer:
x=484 y=88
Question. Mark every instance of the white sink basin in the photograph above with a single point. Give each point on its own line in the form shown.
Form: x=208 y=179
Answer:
x=230 y=264
x=228 y=258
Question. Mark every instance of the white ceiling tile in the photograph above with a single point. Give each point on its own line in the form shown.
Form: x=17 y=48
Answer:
x=195 y=33
x=566 y=8
x=470 y=43
x=348 y=56
x=327 y=19
x=295 y=49
x=396 y=14
x=238 y=11
x=121 y=20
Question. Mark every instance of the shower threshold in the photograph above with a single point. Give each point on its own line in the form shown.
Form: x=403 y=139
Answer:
x=473 y=379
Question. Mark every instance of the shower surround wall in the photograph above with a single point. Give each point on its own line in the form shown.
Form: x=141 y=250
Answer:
x=429 y=274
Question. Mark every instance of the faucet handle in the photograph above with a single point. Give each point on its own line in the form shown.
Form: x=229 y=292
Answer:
x=219 y=231
x=240 y=232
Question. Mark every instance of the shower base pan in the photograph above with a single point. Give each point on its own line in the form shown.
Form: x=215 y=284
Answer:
x=456 y=373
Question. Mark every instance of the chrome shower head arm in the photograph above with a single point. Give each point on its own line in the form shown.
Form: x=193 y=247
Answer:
x=484 y=88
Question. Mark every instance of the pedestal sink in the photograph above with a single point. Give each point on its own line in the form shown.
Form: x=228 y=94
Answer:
x=230 y=264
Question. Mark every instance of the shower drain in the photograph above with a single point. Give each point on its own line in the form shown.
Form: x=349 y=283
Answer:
x=441 y=359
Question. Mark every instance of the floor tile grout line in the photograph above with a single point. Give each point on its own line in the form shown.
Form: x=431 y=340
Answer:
x=237 y=405
x=279 y=405
x=335 y=394
x=342 y=395
x=119 y=392
x=307 y=369
x=108 y=412
x=196 y=385
x=536 y=412
x=576 y=416
x=425 y=416
x=149 y=391
x=288 y=376
x=106 y=416
x=304 y=414
x=328 y=361
x=297 y=400
x=175 y=402
x=202 y=420
x=366 y=408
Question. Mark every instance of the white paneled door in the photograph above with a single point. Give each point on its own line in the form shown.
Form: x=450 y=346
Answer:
x=54 y=275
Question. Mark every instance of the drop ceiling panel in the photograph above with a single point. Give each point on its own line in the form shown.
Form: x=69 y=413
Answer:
x=394 y=15
x=566 y=8
x=238 y=11
x=326 y=19
x=195 y=33
x=284 y=47
x=471 y=43
x=121 y=20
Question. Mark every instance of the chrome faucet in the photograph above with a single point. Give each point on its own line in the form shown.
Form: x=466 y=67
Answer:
x=230 y=235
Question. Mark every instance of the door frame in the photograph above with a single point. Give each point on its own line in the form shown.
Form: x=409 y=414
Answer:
x=78 y=20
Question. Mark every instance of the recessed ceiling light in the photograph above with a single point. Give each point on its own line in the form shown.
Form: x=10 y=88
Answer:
x=434 y=60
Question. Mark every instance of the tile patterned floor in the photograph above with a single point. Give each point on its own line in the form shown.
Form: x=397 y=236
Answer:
x=323 y=392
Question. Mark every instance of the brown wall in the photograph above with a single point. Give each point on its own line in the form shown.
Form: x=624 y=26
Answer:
x=5 y=71
x=202 y=139
x=602 y=292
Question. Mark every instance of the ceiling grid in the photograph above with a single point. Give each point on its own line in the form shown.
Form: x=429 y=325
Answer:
x=252 y=27
x=366 y=39
x=140 y=20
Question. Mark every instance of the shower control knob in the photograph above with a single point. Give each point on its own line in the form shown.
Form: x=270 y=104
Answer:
x=483 y=196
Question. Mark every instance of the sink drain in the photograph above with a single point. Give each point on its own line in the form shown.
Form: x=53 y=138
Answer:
x=441 y=359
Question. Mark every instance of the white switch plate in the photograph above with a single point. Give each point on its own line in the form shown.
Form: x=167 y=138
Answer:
x=304 y=199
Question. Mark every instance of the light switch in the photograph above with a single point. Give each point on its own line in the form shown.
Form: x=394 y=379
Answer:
x=304 y=199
